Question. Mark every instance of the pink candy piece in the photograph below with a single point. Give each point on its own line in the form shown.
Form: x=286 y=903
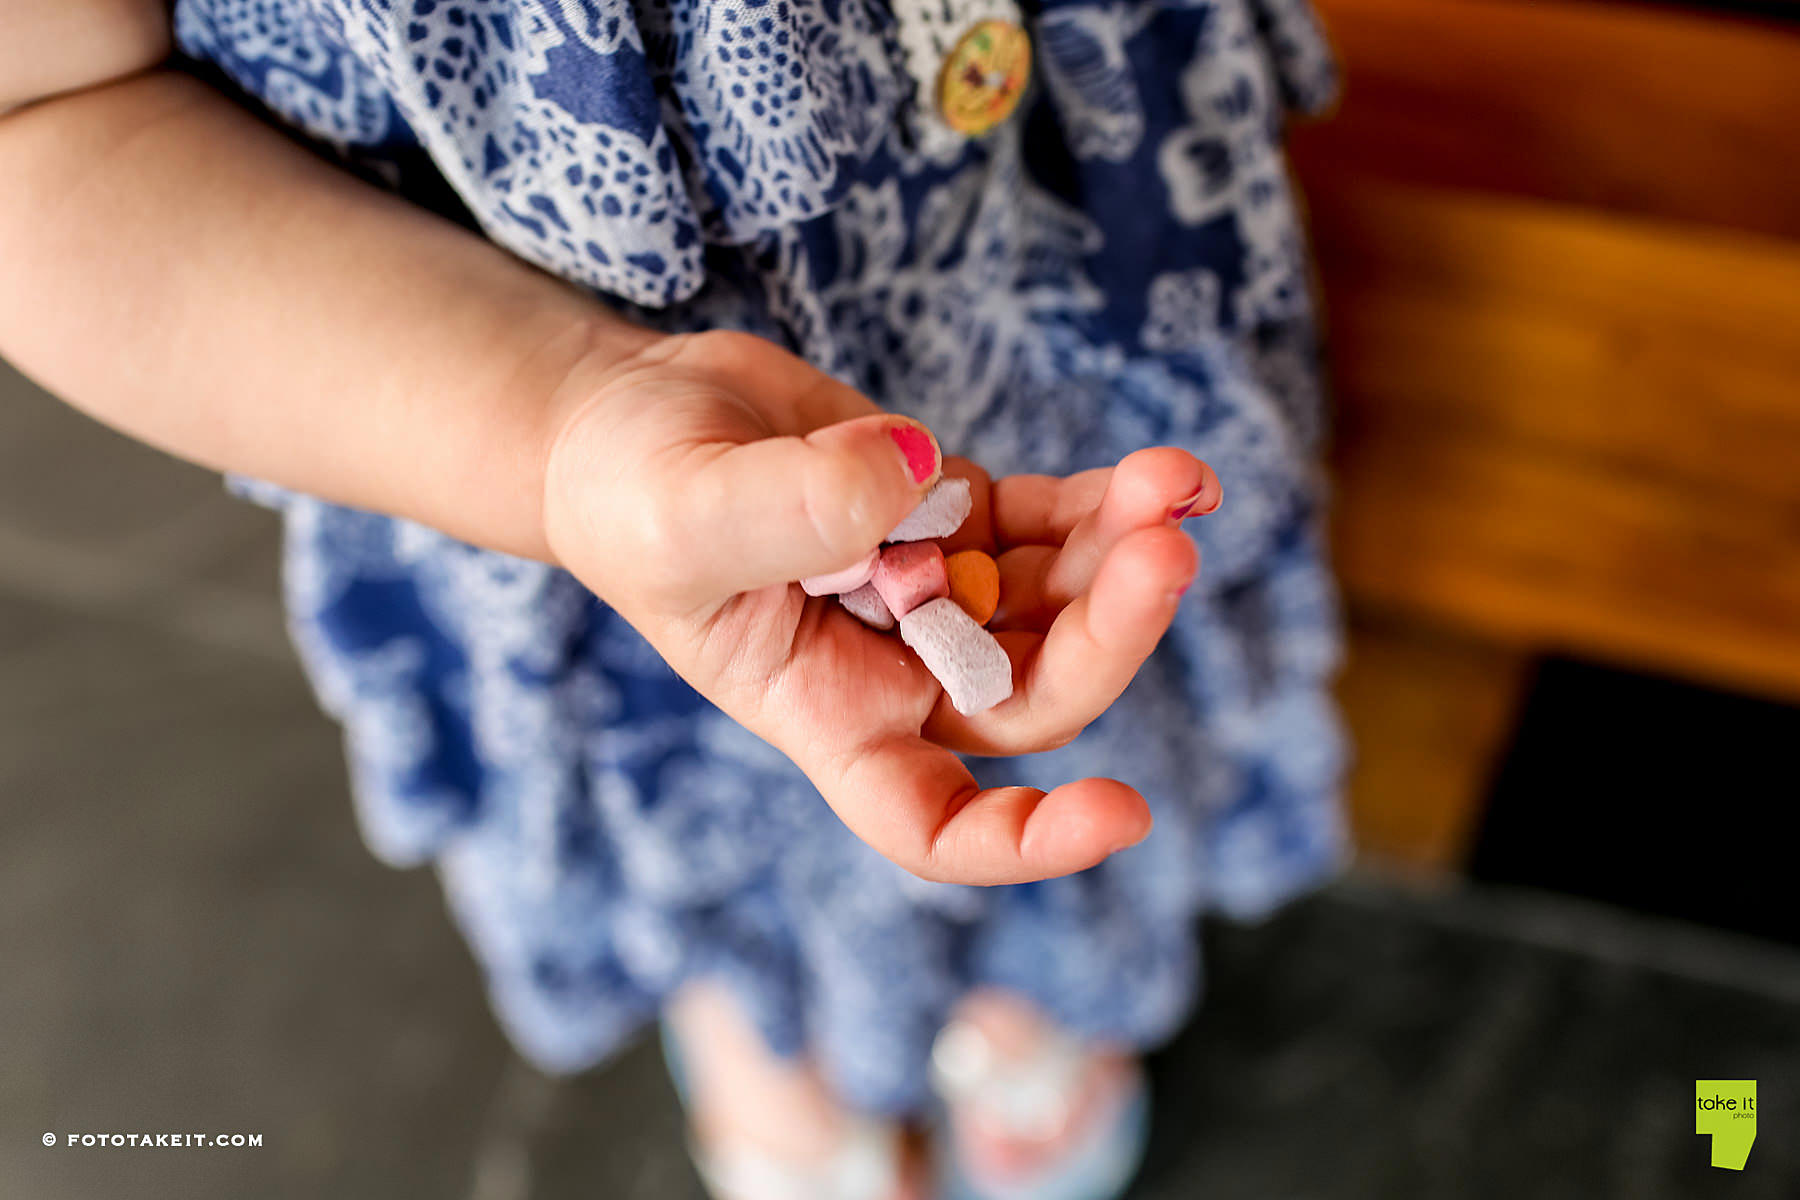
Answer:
x=941 y=513
x=910 y=574
x=964 y=657
x=867 y=606
x=846 y=580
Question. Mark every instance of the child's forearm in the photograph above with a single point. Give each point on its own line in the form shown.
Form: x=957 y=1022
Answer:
x=179 y=271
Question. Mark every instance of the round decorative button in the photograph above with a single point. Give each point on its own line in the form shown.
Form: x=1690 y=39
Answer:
x=984 y=75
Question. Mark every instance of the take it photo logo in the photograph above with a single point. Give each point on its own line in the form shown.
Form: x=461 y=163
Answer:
x=1726 y=1109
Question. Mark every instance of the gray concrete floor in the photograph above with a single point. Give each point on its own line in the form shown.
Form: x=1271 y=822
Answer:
x=193 y=939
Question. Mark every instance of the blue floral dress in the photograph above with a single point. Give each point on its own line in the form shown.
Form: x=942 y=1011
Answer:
x=1119 y=265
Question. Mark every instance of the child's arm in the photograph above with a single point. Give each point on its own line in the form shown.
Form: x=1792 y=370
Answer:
x=178 y=270
x=188 y=275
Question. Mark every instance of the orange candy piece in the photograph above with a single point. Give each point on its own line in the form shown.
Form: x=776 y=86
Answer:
x=974 y=583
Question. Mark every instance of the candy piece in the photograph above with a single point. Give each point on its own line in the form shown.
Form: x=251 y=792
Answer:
x=867 y=606
x=966 y=659
x=846 y=580
x=974 y=583
x=910 y=574
x=941 y=513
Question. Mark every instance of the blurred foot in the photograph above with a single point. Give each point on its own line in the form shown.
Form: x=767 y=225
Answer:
x=768 y=1128
x=1032 y=1113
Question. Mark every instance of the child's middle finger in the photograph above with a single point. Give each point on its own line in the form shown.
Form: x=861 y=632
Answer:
x=1093 y=648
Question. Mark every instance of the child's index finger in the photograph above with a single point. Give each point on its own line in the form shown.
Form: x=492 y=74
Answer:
x=1041 y=510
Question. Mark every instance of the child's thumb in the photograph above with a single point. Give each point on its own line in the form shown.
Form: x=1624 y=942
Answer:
x=781 y=509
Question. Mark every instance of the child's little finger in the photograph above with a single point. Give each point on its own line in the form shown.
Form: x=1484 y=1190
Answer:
x=916 y=803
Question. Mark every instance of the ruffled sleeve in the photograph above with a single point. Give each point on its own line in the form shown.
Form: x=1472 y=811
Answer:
x=545 y=120
x=602 y=140
x=1305 y=68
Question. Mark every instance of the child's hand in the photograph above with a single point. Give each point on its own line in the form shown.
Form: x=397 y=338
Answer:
x=690 y=486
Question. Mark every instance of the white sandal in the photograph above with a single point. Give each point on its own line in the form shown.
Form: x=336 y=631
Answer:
x=1034 y=1099
x=867 y=1163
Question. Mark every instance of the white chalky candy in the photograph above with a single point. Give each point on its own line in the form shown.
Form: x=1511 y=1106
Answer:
x=867 y=606
x=846 y=580
x=941 y=513
x=966 y=659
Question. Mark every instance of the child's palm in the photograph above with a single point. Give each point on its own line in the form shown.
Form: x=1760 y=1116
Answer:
x=690 y=488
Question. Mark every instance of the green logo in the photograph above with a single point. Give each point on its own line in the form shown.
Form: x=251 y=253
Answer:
x=1726 y=1109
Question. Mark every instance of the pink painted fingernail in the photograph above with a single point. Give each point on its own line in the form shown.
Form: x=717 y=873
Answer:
x=1187 y=508
x=918 y=448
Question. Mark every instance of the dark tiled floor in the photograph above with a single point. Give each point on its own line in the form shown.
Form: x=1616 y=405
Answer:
x=192 y=938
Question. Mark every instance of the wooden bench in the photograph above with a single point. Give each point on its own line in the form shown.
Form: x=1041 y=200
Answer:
x=1560 y=249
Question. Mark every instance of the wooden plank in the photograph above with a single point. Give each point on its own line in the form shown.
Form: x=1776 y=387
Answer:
x=1635 y=108
x=1644 y=348
x=1430 y=713
x=1569 y=433
x=1554 y=556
